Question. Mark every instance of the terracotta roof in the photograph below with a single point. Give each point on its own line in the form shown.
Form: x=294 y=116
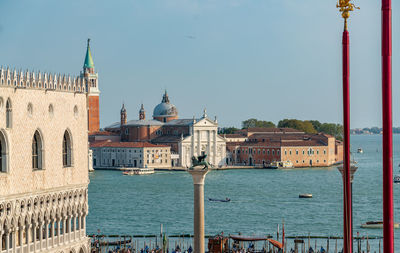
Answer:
x=270 y=130
x=103 y=133
x=233 y=136
x=113 y=144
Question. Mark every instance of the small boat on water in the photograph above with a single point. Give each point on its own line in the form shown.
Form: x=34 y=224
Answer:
x=360 y=151
x=138 y=171
x=219 y=200
x=305 y=196
x=397 y=179
x=279 y=165
x=377 y=224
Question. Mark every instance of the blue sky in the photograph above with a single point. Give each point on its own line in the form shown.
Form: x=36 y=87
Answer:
x=267 y=59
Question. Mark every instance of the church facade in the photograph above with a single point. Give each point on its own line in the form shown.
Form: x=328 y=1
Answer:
x=186 y=137
x=43 y=162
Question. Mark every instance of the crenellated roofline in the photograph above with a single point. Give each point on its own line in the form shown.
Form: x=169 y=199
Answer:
x=38 y=80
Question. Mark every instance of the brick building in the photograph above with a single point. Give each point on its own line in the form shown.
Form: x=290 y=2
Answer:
x=186 y=137
x=263 y=146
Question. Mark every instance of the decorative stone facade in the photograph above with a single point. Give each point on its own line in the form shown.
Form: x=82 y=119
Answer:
x=44 y=157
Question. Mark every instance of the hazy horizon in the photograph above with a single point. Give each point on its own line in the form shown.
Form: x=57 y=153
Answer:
x=268 y=60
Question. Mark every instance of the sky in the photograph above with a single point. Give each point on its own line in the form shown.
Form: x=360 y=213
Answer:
x=264 y=59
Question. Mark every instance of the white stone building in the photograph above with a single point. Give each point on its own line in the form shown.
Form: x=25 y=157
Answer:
x=203 y=139
x=109 y=154
x=43 y=163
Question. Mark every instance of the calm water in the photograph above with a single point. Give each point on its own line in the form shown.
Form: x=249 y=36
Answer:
x=260 y=199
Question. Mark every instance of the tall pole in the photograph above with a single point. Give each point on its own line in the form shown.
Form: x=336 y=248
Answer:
x=345 y=7
x=346 y=130
x=388 y=244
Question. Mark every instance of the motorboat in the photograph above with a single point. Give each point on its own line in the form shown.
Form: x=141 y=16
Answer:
x=305 y=196
x=220 y=200
x=397 y=179
x=279 y=165
x=377 y=224
x=138 y=171
x=360 y=151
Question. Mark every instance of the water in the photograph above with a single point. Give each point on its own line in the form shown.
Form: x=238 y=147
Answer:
x=261 y=199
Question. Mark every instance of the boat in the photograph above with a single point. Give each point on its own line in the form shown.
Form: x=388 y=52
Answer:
x=360 y=151
x=219 y=200
x=305 y=196
x=279 y=165
x=137 y=171
x=377 y=224
x=397 y=179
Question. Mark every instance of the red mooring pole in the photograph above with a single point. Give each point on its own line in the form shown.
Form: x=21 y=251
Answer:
x=388 y=244
x=347 y=233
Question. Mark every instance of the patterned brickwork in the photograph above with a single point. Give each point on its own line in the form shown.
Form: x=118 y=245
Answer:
x=93 y=113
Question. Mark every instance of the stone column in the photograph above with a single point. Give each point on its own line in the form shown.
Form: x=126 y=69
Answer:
x=1 y=240
x=7 y=240
x=215 y=148
x=208 y=145
x=40 y=234
x=198 y=217
x=63 y=219
x=58 y=230
x=198 y=142
x=34 y=227
x=46 y=233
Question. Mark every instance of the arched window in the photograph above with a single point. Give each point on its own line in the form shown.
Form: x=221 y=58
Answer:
x=67 y=150
x=8 y=114
x=3 y=153
x=37 y=151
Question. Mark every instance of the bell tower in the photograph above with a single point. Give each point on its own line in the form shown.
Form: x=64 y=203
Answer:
x=123 y=115
x=142 y=113
x=93 y=92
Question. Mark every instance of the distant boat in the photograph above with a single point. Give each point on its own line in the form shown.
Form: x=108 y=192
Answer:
x=360 y=151
x=142 y=171
x=305 y=196
x=220 y=200
x=397 y=179
x=376 y=224
x=279 y=165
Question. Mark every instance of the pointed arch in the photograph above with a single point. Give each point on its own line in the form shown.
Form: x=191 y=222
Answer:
x=67 y=149
x=37 y=151
x=3 y=152
x=8 y=113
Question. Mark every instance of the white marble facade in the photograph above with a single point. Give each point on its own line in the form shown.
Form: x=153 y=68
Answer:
x=203 y=139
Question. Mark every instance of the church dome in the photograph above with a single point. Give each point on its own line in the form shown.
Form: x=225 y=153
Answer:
x=165 y=108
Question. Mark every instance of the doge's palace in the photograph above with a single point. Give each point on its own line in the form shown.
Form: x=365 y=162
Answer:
x=43 y=163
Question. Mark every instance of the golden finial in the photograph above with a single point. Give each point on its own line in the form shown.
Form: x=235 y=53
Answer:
x=345 y=7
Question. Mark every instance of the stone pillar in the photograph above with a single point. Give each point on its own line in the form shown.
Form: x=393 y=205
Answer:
x=215 y=148
x=58 y=230
x=34 y=227
x=208 y=145
x=198 y=217
x=46 y=233
x=63 y=219
x=192 y=143
x=198 y=142
x=1 y=240
x=40 y=235
x=7 y=241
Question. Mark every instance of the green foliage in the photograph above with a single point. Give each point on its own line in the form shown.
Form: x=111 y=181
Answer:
x=314 y=126
x=228 y=130
x=305 y=126
x=257 y=123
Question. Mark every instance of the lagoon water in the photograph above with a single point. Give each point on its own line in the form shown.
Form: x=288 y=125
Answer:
x=261 y=199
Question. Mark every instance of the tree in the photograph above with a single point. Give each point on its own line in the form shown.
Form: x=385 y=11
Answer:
x=228 y=130
x=316 y=124
x=257 y=123
x=305 y=126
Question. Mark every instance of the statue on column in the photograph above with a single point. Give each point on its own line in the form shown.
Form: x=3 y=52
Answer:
x=199 y=162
